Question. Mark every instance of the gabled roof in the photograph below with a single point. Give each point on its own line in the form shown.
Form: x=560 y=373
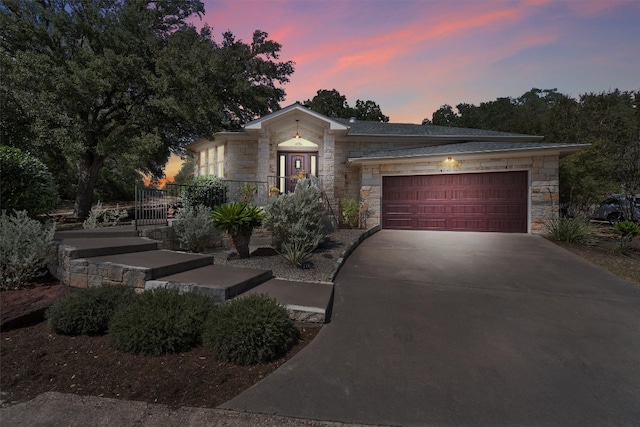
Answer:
x=257 y=124
x=473 y=147
x=365 y=128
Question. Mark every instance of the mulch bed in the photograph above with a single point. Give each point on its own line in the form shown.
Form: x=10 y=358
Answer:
x=35 y=360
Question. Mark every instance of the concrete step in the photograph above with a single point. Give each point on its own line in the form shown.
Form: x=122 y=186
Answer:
x=120 y=231
x=307 y=302
x=103 y=246
x=218 y=282
x=156 y=263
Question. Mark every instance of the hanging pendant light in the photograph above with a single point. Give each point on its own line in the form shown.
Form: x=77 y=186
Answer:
x=297 y=135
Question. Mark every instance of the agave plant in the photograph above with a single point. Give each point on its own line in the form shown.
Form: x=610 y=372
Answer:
x=238 y=220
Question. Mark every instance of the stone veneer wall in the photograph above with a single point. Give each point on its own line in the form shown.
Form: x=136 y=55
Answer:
x=543 y=175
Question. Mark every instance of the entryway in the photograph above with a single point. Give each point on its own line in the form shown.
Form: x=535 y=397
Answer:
x=295 y=165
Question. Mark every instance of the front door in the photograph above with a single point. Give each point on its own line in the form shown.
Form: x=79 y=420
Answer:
x=293 y=166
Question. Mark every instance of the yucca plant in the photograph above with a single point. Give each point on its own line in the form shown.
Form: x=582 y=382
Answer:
x=238 y=220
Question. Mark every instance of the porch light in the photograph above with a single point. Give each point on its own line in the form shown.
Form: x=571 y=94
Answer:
x=297 y=135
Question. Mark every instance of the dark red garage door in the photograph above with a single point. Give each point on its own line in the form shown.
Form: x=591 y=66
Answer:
x=495 y=201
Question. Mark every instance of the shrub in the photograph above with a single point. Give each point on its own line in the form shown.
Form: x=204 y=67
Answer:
x=87 y=311
x=27 y=184
x=238 y=220
x=249 y=330
x=296 y=217
x=296 y=253
x=99 y=217
x=571 y=230
x=248 y=192
x=207 y=190
x=350 y=210
x=627 y=230
x=26 y=246
x=159 y=322
x=194 y=228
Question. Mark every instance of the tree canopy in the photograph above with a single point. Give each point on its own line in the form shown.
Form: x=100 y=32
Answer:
x=332 y=104
x=124 y=83
x=609 y=121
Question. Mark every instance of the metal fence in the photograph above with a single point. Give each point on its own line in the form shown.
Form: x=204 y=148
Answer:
x=151 y=207
x=157 y=207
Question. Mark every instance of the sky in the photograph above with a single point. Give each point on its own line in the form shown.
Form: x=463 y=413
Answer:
x=413 y=56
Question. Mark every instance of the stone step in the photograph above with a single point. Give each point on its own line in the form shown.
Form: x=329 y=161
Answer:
x=218 y=282
x=307 y=302
x=156 y=263
x=104 y=246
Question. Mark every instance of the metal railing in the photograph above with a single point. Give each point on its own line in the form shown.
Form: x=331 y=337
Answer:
x=150 y=207
x=156 y=207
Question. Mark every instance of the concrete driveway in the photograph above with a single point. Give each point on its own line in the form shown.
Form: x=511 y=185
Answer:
x=440 y=328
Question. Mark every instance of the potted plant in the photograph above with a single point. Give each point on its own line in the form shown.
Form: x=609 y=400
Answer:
x=238 y=220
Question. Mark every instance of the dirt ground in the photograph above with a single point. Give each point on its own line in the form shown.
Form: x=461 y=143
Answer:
x=35 y=360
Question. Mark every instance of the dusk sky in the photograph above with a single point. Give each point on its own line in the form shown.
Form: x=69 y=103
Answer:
x=413 y=56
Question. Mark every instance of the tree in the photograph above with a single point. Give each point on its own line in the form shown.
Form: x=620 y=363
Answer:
x=186 y=172
x=610 y=122
x=369 y=111
x=126 y=81
x=332 y=104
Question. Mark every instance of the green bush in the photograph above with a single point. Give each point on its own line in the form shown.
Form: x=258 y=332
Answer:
x=571 y=230
x=249 y=330
x=296 y=218
x=627 y=228
x=87 y=311
x=297 y=253
x=627 y=231
x=350 y=210
x=194 y=228
x=159 y=322
x=207 y=190
x=27 y=184
x=26 y=246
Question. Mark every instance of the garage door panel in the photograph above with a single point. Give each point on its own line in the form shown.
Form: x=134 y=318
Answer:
x=430 y=209
x=468 y=209
x=398 y=209
x=398 y=223
x=492 y=201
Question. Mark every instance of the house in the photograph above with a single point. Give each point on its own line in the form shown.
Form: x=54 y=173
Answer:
x=408 y=176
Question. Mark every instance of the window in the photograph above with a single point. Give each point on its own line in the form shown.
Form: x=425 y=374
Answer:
x=202 y=163
x=220 y=161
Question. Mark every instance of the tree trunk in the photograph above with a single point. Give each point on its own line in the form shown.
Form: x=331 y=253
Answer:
x=88 y=169
x=241 y=243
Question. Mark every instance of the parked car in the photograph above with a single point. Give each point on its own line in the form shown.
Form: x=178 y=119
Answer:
x=617 y=208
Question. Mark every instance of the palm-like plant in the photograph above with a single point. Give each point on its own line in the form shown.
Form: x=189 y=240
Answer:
x=238 y=220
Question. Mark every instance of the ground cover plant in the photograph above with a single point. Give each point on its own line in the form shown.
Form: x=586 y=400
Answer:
x=26 y=245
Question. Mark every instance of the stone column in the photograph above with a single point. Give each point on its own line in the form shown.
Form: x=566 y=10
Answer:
x=328 y=166
x=263 y=155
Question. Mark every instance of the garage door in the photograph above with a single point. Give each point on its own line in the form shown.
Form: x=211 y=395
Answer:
x=495 y=201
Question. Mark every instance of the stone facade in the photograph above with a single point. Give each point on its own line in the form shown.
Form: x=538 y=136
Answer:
x=252 y=155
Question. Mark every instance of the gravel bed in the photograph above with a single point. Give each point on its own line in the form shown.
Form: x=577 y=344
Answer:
x=324 y=259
